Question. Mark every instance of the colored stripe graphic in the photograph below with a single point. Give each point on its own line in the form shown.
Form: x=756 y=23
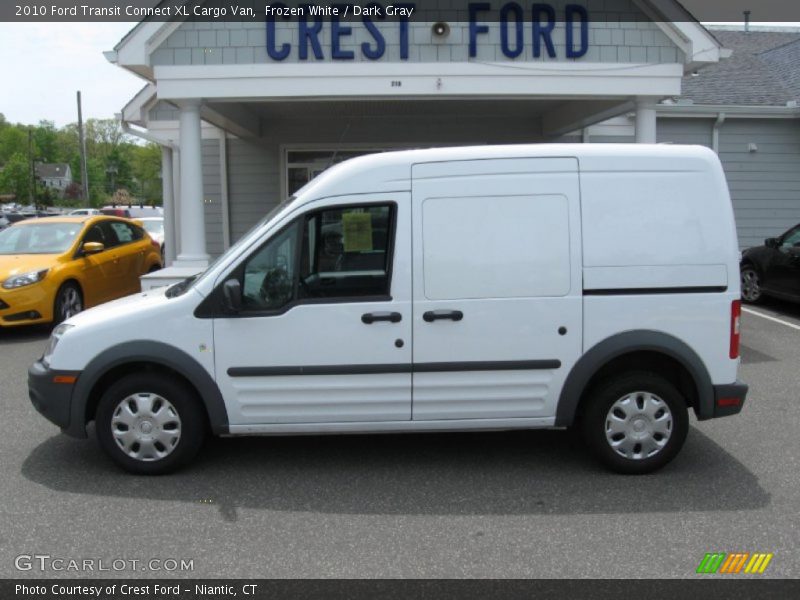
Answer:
x=733 y=563
x=711 y=562
x=759 y=562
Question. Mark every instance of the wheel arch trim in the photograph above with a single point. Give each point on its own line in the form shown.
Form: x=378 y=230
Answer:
x=151 y=352
x=627 y=343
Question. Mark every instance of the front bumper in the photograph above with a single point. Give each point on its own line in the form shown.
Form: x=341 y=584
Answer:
x=50 y=392
x=729 y=399
x=25 y=306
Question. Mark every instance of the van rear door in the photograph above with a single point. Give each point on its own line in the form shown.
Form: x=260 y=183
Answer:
x=497 y=286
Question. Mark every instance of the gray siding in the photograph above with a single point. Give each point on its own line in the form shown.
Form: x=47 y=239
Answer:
x=618 y=32
x=212 y=197
x=764 y=185
x=253 y=183
x=163 y=111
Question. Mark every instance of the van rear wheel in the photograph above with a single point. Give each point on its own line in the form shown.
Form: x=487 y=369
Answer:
x=635 y=423
x=150 y=424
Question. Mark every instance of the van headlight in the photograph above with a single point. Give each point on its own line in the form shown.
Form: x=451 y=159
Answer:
x=53 y=342
x=24 y=279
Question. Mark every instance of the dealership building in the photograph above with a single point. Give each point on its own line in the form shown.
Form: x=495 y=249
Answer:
x=248 y=111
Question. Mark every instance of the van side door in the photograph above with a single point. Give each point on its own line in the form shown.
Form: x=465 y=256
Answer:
x=497 y=287
x=324 y=332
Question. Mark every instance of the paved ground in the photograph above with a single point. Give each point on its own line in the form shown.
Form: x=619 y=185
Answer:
x=527 y=504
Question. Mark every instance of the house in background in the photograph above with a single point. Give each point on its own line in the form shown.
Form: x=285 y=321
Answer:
x=53 y=176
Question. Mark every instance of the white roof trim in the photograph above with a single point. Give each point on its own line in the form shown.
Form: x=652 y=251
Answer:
x=697 y=43
x=136 y=110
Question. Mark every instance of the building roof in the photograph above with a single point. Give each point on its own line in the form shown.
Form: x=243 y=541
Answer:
x=762 y=71
x=51 y=170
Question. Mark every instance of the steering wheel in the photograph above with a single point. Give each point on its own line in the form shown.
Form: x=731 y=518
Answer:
x=276 y=288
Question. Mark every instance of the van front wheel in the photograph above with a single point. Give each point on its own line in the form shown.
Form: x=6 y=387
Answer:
x=635 y=423
x=150 y=424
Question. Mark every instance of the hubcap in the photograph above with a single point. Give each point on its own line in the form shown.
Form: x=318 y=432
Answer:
x=751 y=286
x=70 y=303
x=638 y=425
x=146 y=426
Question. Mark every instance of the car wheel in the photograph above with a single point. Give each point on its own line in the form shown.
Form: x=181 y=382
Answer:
x=751 y=284
x=69 y=302
x=635 y=423
x=150 y=424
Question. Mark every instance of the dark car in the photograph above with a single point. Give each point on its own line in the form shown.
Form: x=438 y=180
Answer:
x=773 y=269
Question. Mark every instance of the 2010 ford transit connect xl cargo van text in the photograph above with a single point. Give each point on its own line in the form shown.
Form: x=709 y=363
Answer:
x=481 y=288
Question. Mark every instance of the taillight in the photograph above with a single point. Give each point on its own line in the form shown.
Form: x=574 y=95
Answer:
x=156 y=245
x=736 y=324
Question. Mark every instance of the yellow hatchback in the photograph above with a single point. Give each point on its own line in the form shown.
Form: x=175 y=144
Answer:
x=54 y=267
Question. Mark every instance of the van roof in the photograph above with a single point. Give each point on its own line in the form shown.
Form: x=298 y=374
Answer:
x=391 y=171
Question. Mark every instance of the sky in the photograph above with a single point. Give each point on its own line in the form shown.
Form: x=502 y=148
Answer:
x=44 y=64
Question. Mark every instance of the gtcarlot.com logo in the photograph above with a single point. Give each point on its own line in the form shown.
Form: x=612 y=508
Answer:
x=735 y=563
x=46 y=562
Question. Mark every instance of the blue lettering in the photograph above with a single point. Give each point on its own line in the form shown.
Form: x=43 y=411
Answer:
x=273 y=52
x=404 y=29
x=516 y=9
x=543 y=32
x=573 y=11
x=310 y=35
x=474 y=28
x=380 y=41
x=338 y=32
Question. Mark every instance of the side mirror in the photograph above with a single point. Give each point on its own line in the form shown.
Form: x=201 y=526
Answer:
x=232 y=296
x=771 y=242
x=92 y=247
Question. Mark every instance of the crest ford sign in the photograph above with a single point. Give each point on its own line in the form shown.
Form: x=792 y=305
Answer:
x=332 y=33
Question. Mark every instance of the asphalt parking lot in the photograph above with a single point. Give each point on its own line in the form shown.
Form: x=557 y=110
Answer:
x=524 y=504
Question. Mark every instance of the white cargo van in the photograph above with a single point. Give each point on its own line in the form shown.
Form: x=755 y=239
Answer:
x=482 y=288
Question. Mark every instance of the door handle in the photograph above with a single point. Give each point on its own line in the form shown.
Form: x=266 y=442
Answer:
x=439 y=315
x=392 y=317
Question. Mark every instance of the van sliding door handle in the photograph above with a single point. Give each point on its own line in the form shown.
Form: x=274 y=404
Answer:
x=439 y=315
x=392 y=317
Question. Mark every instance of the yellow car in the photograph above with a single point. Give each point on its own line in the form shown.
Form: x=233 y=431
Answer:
x=54 y=267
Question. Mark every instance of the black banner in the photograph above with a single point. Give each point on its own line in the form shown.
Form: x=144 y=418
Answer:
x=264 y=589
x=390 y=10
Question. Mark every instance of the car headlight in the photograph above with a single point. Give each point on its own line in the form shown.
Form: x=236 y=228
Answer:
x=53 y=341
x=24 y=279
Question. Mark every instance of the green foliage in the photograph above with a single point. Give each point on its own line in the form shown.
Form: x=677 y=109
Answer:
x=15 y=178
x=114 y=161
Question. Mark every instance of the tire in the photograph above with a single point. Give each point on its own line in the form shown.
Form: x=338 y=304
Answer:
x=751 y=285
x=68 y=302
x=636 y=422
x=150 y=424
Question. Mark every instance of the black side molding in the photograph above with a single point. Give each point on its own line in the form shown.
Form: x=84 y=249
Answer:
x=711 y=289
x=442 y=367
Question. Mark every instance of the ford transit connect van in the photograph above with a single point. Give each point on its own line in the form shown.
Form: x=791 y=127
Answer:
x=482 y=288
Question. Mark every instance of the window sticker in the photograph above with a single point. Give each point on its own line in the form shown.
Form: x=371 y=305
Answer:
x=357 y=232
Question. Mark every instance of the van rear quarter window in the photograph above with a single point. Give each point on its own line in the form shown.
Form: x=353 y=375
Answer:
x=496 y=246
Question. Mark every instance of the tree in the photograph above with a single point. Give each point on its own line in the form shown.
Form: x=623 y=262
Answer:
x=15 y=178
x=45 y=140
x=146 y=163
x=13 y=140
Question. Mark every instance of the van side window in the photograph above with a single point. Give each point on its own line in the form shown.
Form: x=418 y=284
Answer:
x=337 y=253
x=269 y=275
x=346 y=252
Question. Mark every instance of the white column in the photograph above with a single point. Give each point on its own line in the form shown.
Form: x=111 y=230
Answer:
x=168 y=202
x=192 y=225
x=645 y=122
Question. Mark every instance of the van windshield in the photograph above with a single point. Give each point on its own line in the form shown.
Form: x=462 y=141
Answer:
x=185 y=285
